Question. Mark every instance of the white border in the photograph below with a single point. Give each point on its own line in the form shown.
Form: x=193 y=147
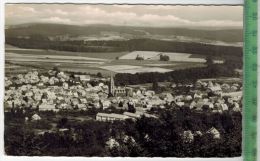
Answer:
x=233 y=2
x=2 y=2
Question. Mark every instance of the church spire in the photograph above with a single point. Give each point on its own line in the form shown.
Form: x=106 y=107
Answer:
x=111 y=86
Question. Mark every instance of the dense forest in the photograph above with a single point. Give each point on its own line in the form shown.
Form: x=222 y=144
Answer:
x=41 y=42
x=181 y=76
x=148 y=137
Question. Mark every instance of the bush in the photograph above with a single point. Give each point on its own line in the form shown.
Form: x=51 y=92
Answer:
x=139 y=57
x=164 y=57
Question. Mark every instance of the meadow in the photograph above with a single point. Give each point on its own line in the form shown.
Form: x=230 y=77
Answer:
x=134 y=69
x=154 y=55
x=102 y=55
x=20 y=60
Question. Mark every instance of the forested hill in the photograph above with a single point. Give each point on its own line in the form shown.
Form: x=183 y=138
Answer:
x=76 y=39
x=225 y=35
x=130 y=45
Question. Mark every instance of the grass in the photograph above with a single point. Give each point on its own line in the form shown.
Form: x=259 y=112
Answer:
x=13 y=69
x=154 y=55
x=105 y=55
x=154 y=63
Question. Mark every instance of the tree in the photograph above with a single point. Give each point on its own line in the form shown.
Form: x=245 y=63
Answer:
x=139 y=57
x=63 y=122
x=72 y=76
x=131 y=108
x=25 y=99
x=99 y=75
x=121 y=104
x=155 y=85
x=164 y=57
x=55 y=68
x=209 y=61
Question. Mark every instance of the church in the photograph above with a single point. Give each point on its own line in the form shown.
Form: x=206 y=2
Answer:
x=119 y=91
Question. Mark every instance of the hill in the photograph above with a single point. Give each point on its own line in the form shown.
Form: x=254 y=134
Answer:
x=219 y=34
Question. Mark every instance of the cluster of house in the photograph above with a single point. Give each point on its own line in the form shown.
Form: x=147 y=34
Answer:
x=52 y=91
x=56 y=91
x=205 y=96
x=51 y=78
x=217 y=97
x=126 y=115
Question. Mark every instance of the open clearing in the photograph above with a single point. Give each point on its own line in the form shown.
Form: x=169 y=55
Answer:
x=154 y=55
x=102 y=55
x=134 y=69
x=51 y=57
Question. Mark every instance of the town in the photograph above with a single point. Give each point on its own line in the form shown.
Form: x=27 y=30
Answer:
x=58 y=91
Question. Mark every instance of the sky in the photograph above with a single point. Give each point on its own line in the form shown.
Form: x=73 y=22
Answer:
x=129 y=15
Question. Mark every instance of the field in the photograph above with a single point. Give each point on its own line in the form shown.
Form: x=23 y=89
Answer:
x=53 y=58
x=11 y=69
x=22 y=60
x=174 y=57
x=104 y=55
x=154 y=55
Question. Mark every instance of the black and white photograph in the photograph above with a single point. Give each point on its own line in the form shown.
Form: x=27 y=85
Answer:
x=123 y=80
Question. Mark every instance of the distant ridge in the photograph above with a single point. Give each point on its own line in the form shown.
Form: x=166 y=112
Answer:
x=51 y=29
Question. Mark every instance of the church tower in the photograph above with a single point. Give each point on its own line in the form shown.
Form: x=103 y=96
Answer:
x=111 y=86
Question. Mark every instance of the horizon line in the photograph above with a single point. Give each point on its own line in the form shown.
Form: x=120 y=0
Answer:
x=121 y=25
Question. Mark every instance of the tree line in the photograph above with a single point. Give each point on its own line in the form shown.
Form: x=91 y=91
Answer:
x=179 y=76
